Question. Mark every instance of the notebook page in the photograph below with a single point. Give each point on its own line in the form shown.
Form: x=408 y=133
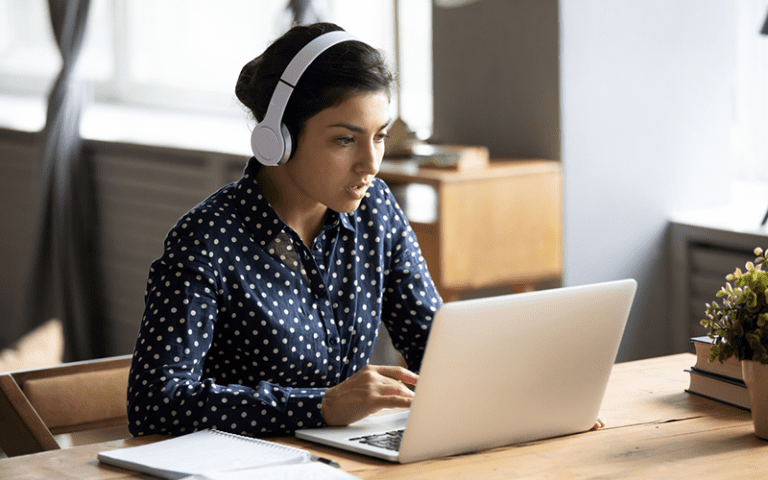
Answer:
x=303 y=471
x=201 y=452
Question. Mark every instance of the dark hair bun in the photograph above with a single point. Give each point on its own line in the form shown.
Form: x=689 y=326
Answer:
x=244 y=87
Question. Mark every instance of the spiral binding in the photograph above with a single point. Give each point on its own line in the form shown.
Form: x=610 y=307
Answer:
x=276 y=446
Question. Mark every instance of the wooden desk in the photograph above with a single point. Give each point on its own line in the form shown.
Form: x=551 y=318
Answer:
x=487 y=227
x=655 y=430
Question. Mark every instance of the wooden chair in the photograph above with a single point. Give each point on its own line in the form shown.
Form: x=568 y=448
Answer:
x=37 y=404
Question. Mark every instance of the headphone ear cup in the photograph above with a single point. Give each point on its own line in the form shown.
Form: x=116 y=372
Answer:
x=267 y=144
x=289 y=143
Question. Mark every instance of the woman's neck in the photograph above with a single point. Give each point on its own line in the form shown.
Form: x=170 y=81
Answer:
x=306 y=218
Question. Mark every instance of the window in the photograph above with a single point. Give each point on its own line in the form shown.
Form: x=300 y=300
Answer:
x=187 y=54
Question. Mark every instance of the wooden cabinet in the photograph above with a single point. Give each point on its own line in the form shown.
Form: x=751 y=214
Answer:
x=486 y=227
x=705 y=247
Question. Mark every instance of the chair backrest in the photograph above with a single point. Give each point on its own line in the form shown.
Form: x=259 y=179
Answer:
x=37 y=404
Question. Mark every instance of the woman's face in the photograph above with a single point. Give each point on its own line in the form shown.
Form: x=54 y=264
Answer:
x=339 y=152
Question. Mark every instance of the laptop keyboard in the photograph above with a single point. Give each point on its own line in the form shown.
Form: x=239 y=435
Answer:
x=390 y=440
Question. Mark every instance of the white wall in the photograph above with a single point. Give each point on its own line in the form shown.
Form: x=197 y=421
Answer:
x=646 y=96
x=643 y=97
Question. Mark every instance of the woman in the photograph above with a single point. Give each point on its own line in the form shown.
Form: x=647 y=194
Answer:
x=263 y=311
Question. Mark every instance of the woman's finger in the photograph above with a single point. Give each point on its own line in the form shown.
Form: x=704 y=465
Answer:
x=398 y=373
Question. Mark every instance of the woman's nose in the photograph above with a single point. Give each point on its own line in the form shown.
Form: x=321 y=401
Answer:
x=369 y=159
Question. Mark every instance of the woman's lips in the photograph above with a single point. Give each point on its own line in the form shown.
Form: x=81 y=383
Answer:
x=358 y=190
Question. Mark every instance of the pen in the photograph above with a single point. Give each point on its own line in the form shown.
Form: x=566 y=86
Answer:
x=326 y=461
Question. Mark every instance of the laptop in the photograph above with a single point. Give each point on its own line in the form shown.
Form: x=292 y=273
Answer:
x=500 y=371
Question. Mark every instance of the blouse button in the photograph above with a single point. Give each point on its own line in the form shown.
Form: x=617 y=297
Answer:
x=334 y=341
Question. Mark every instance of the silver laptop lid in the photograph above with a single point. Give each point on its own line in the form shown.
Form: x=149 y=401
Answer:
x=504 y=370
x=516 y=368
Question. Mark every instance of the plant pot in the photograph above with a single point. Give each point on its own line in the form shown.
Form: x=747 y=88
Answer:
x=756 y=377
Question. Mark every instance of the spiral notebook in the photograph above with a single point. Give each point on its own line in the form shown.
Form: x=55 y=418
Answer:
x=217 y=454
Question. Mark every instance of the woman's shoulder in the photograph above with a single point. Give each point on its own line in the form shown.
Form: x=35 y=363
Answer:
x=210 y=215
x=202 y=239
x=216 y=206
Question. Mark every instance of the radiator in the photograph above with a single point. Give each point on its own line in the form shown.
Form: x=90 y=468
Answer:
x=140 y=197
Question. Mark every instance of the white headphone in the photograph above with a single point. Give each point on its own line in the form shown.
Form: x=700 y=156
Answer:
x=271 y=140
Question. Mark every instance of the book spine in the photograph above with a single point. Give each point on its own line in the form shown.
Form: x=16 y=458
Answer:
x=730 y=368
x=716 y=387
x=717 y=376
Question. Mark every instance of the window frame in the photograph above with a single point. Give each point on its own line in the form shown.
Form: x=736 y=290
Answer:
x=117 y=89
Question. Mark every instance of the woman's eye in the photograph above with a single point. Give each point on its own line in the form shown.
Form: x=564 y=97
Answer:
x=381 y=137
x=345 y=140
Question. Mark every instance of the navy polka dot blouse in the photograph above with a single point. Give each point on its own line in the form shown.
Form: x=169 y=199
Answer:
x=245 y=327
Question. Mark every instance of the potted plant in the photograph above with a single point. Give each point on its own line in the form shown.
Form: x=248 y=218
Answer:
x=740 y=327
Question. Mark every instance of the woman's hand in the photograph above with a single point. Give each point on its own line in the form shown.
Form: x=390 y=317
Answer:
x=372 y=388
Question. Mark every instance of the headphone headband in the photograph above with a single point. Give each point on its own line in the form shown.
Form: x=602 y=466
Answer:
x=270 y=139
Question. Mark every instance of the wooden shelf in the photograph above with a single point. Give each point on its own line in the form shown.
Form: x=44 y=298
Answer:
x=491 y=227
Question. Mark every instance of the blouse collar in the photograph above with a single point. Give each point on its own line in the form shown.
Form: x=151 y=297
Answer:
x=257 y=212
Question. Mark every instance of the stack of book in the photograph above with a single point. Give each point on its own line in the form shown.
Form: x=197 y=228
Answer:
x=718 y=381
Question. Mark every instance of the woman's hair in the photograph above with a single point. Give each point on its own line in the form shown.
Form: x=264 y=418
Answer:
x=344 y=70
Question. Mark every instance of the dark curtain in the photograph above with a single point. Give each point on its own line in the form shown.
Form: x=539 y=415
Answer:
x=303 y=12
x=764 y=31
x=64 y=280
